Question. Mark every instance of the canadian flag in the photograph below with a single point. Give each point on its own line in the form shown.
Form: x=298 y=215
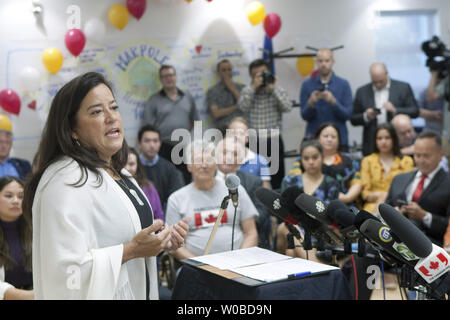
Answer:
x=433 y=266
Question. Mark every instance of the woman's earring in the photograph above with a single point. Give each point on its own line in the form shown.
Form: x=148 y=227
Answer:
x=77 y=142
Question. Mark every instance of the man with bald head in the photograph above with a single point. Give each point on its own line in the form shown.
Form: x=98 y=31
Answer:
x=379 y=101
x=326 y=98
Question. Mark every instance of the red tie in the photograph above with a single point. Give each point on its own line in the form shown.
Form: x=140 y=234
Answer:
x=419 y=189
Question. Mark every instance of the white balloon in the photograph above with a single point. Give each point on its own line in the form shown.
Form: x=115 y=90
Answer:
x=94 y=29
x=30 y=79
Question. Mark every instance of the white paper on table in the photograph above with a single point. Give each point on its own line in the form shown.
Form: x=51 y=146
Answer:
x=240 y=258
x=279 y=270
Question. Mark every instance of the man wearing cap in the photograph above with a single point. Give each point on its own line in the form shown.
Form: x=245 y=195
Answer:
x=10 y=166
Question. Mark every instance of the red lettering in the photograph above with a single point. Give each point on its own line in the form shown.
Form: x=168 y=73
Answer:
x=425 y=271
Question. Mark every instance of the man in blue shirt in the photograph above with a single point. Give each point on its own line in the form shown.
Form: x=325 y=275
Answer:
x=15 y=167
x=326 y=97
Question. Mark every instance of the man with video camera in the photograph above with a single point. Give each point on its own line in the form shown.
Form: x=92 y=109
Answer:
x=439 y=86
x=263 y=102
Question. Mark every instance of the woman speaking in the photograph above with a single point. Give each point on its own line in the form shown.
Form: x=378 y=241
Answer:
x=94 y=236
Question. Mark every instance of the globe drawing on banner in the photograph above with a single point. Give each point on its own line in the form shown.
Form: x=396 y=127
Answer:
x=142 y=78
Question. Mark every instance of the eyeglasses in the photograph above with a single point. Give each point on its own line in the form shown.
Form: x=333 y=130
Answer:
x=169 y=75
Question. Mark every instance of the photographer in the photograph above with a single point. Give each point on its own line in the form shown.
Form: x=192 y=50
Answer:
x=439 y=86
x=326 y=98
x=263 y=102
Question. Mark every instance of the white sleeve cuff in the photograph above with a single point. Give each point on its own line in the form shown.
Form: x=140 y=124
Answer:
x=427 y=220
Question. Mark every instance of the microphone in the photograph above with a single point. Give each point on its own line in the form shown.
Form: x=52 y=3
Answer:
x=232 y=182
x=272 y=200
x=406 y=231
x=380 y=236
x=313 y=207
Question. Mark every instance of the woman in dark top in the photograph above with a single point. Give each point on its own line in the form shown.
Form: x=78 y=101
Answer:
x=336 y=164
x=16 y=280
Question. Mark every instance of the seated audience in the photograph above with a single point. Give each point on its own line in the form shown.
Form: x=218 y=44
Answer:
x=425 y=192
x=336 y=164
x=135 y=168
x=407 y=135
x=379 y=168
x=221 y=99
x=164 y=175
x=229 y=158
x=379 y=101
x=201 y=200
x=312 y=182
x=16 y=279
x=10 y=166
x=253 y=163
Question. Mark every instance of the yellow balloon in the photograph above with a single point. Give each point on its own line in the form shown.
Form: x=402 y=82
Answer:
x=118 y=16
x=305 y=65
x=5 y=123
x=52 y=59
x=256 y=12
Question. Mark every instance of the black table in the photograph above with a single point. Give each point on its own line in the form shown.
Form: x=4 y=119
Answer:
x=197 y=284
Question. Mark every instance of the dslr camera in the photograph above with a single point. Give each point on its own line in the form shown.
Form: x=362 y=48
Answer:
x=268 y=77
x=438 y=56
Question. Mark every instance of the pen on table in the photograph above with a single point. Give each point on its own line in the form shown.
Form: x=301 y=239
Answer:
x=298 y=275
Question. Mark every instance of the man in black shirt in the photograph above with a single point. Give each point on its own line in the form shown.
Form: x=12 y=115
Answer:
x=161 y=172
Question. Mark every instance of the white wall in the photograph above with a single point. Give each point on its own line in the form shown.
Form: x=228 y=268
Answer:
x=318 y=23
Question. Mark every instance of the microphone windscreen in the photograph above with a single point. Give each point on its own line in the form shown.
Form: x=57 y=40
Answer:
x=413 y=237
x=288 y=201
x=333 y=206
x=272 y=201
x=363 y=216
x=232 y=181
x=313 y=207
x=345 y=217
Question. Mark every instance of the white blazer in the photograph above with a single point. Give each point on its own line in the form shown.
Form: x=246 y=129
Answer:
x=3 y=285
x=78 y=237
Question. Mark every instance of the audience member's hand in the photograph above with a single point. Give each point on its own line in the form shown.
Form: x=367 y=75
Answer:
x=313 y=98
x=272 y=86
x=371 y=114
x=414 y=211
x=389 y=107
x=228 y=81
x=437 y=115
x=178 y=234
x=328 y=97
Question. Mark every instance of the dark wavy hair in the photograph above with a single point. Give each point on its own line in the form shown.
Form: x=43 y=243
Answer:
x=140 y=175
x=57 y=141
x=326 y=125
x=395 y=143
x=25 y=234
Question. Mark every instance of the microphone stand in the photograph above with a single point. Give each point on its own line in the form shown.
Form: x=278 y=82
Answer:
x=223 y=207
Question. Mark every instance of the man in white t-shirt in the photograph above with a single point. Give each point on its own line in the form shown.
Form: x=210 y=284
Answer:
x=201 y=200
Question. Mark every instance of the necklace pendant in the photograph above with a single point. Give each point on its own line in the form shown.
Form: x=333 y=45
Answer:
x=135 y=195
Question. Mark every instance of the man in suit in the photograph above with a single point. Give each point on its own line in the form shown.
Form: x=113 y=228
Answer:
x=379 y=101
x=230 y=156
x=425 y=192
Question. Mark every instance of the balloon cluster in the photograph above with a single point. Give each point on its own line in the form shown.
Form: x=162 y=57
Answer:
x=256 y=14
x=94 y=30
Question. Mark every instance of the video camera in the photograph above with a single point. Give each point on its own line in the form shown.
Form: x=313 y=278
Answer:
x=268 y=78
x=438 y=56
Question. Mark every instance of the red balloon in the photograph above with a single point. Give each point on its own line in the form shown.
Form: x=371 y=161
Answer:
x=272 y=24
x=137 y=7
x=10 y=101
x=75 y=41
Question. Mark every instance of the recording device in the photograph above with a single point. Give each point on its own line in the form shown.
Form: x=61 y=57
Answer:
x=268 y=77
x=438 y=56
x=232 y=182
x=324 y=86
